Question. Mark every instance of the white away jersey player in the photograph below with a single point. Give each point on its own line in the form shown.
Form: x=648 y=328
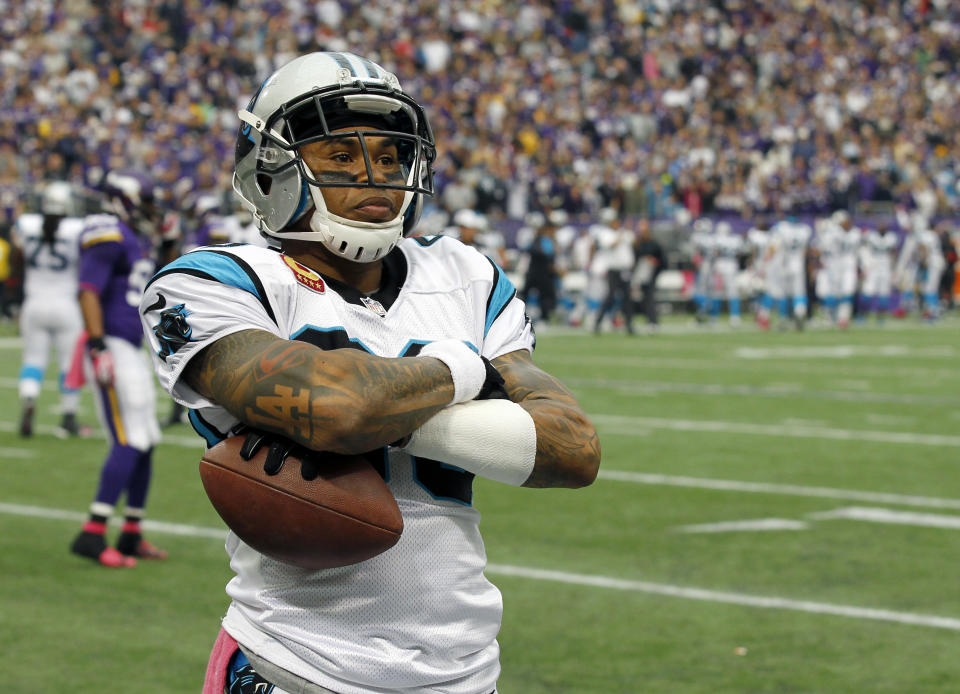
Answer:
x=420 y=617
x=50 y=269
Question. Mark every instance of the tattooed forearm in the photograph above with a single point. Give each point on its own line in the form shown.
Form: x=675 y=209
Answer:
x=568 y=449
x=346 y=401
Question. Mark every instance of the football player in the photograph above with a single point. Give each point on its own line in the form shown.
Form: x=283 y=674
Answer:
x=906 y=270
x=849 y=239
x=758 y=242
x=879 y=249
x=726 y=266
x=350 y=336
x=791 y=239
x=47 y=252
x=933 y=264
x=702 y=251
x=117 y=257
x=838 y=242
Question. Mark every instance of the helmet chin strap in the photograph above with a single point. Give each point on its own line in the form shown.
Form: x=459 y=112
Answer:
x=360 y=242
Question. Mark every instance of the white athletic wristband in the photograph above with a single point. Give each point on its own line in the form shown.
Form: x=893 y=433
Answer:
x=496 y=439
x=466 y=367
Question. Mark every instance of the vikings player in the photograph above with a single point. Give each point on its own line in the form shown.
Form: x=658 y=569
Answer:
x=117 y=257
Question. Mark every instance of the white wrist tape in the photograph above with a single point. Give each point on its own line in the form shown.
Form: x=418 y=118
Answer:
x=466 y=367
x=496 y=439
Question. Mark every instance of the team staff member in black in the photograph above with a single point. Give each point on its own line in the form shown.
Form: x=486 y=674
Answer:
x=648 y=263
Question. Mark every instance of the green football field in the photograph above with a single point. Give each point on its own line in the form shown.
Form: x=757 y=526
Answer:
x=776 y=512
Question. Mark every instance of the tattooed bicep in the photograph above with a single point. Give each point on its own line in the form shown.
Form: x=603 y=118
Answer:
x=222 y=365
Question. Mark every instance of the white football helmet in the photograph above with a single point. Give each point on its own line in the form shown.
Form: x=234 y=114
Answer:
x=303 y=102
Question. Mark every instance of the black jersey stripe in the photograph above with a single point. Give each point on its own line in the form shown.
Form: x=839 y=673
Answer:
x=496 y=292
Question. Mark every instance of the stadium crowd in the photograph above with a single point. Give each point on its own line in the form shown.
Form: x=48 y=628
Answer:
x=660 y=109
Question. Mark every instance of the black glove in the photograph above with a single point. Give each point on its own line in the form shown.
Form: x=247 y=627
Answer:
x=494 y=387
x=280 y=449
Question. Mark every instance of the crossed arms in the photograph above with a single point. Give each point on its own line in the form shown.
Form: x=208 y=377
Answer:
x=351 y=402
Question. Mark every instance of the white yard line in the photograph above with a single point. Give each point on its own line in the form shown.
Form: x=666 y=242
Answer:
x=842 y=352
x=6 y=452
x=770 y=390
x=188 y=441
x=885 y=515
x=729 y=598
x=722 y=364
x=854 y=513
x=779 y=489
x=619 y=424
x=759 y=524
x=579 y=579
x=78 y=517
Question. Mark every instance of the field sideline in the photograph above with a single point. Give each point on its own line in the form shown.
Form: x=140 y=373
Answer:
x=776 y=512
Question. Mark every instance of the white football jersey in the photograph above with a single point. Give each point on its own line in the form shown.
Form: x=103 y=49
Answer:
x=703 y=244
x=727 y=247
x=849 y=242
x=50 y=270
x=827 y=241
x=929 y=241
x=909 y=256
x=421 y=617
x=879 y=247
x=758 y=241
x=792 y=240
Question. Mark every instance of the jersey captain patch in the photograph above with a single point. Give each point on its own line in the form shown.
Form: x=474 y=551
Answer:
x=305 y=276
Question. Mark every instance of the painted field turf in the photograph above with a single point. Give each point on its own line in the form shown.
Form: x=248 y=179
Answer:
x=604 y=591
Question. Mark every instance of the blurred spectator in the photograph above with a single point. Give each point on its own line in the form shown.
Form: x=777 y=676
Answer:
x=652 y=108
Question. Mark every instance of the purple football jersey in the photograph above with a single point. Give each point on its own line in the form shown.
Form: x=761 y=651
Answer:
x=116 y=263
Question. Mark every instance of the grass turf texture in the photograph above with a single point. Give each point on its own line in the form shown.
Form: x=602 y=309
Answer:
x=68 y=625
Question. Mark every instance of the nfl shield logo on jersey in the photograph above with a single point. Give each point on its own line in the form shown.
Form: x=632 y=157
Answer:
x=374 y=306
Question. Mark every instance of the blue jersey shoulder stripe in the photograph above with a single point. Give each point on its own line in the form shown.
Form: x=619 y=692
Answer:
x=501 y=293
x=222 y=267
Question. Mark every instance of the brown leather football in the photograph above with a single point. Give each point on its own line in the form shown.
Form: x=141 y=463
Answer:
x=345 y=515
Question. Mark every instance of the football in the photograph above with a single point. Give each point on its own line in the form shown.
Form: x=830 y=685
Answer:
x=344 y=515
